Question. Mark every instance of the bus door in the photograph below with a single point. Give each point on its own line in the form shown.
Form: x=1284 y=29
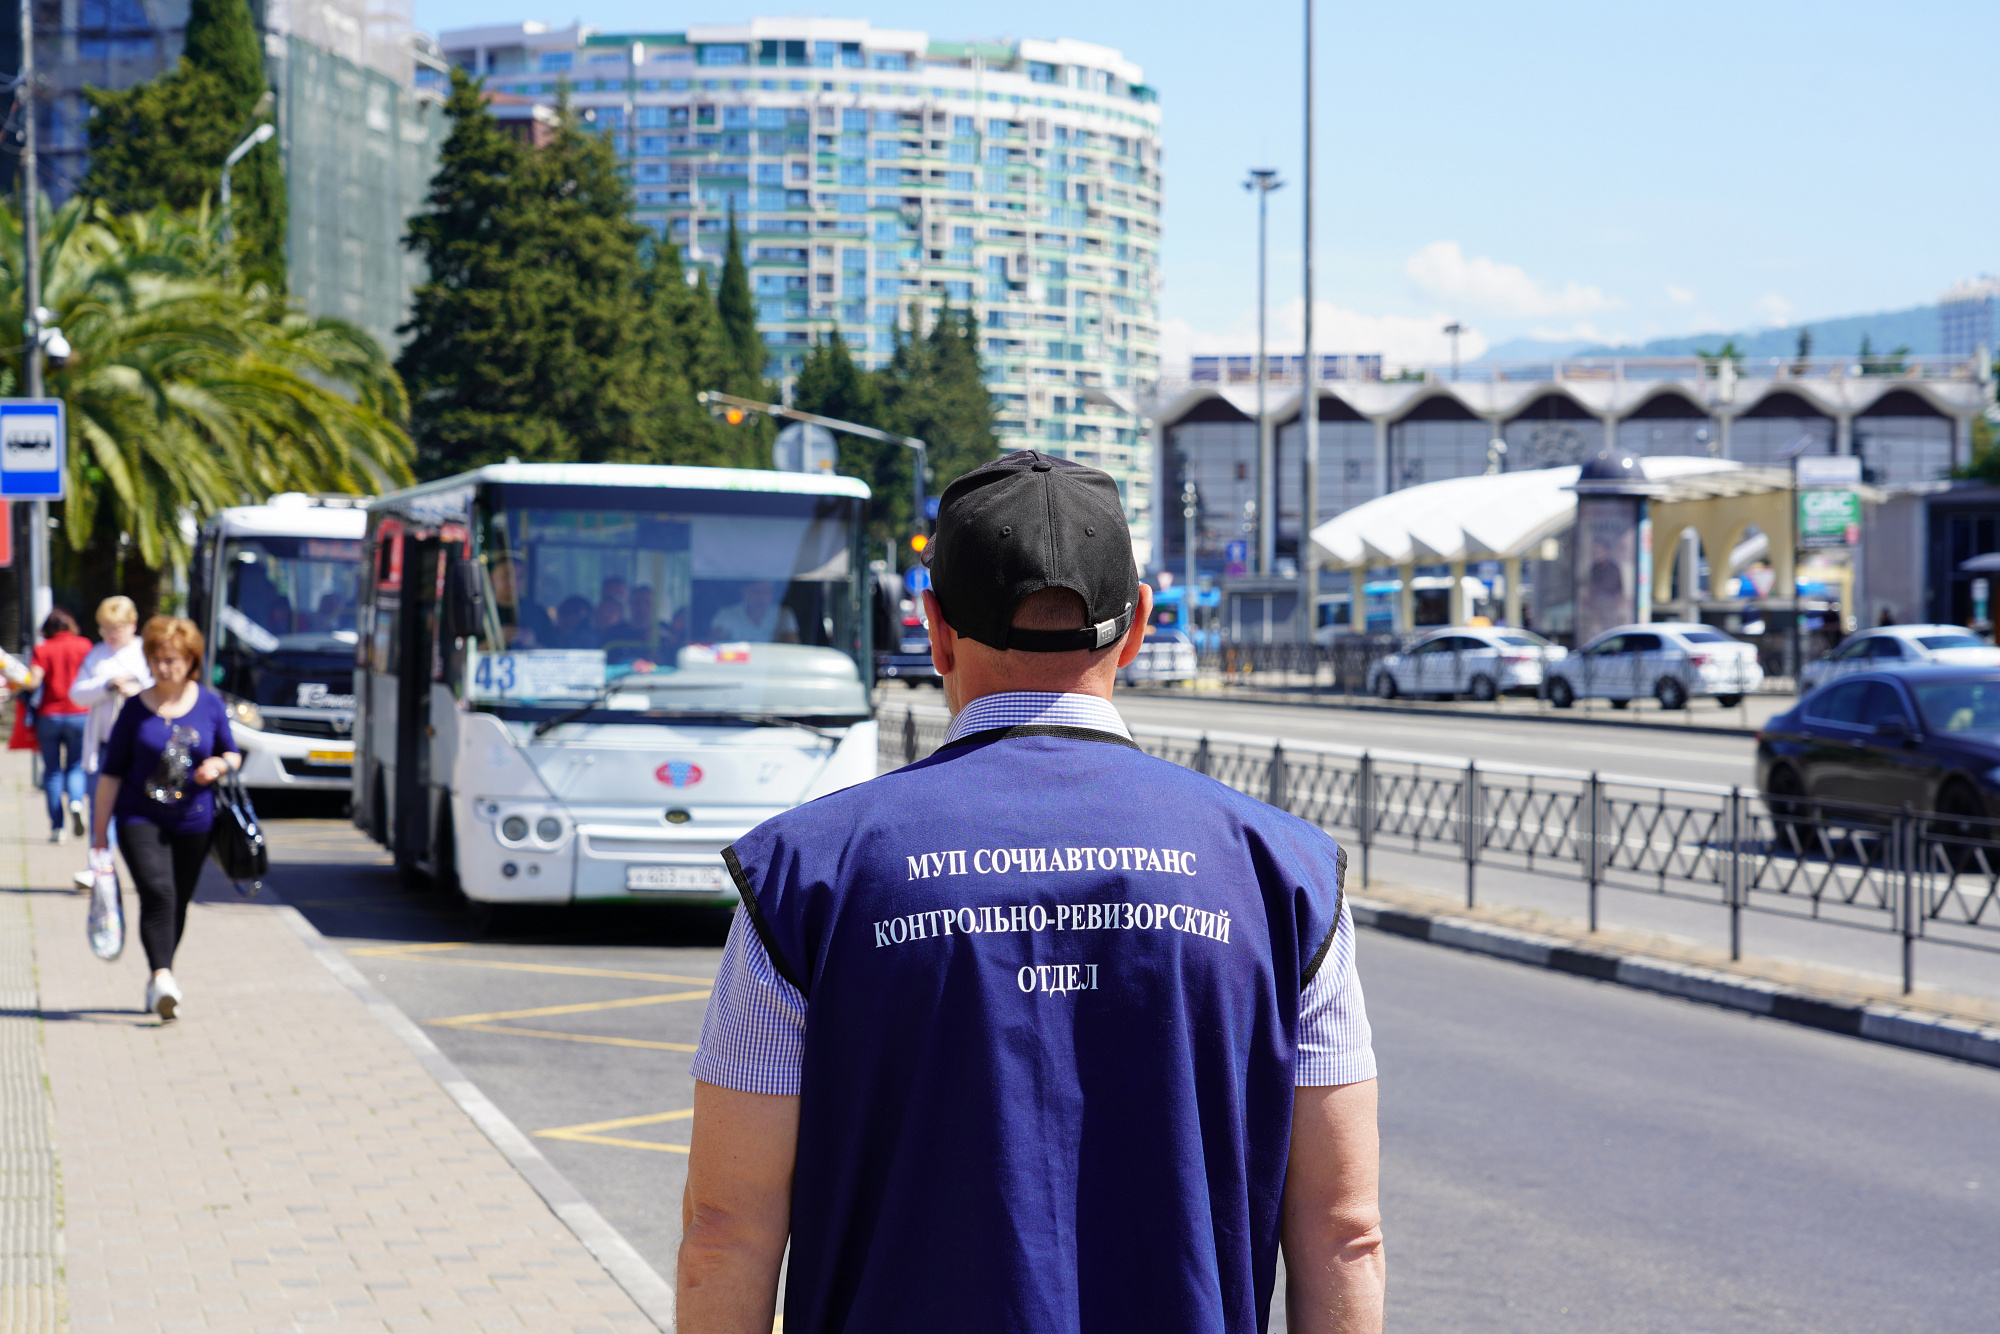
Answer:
x=425 y=559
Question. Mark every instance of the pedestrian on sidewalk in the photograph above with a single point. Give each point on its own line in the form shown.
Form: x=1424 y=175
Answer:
x=59 y=720
x=987 y=1065
x=169 y=745
x=113 y=671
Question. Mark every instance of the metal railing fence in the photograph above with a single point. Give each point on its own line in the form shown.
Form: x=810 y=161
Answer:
x=1903 y=872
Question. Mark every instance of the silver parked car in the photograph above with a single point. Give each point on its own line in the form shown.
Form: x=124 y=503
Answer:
x=1673 y=661
x=1894 y=646
x=1167 y=656
x=1483 y=661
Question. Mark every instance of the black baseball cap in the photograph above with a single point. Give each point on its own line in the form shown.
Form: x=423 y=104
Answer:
x=1023 y=523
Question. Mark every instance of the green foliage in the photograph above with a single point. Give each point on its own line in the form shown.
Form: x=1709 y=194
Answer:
x=739 y=321
x=832 y=385
x=190 y=386
x=933 y=389
x=1985 y=463
x=163 y=142
x=1881 y=363
x=552 y=327
x=1712 y=361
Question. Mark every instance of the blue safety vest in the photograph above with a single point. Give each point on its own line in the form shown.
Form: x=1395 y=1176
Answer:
x=1052 y=992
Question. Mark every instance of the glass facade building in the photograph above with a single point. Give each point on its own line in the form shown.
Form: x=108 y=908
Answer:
x=358 y=136
x=1969 y=318
x=870 y=170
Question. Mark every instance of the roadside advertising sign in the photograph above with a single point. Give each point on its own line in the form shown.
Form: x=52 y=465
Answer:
x=1829 y=519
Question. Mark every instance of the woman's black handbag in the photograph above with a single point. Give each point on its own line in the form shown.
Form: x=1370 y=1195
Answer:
x=238 y=845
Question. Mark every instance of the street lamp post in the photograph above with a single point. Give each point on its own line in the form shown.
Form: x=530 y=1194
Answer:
x=1453 y=330
x=1190 y=506
x=40 y=598
x=262 y=134
x=1309 y=506
x=1262 y=181
x=635 y=56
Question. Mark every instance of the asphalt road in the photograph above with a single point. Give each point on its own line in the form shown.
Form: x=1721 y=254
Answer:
x=1555 y=1150
x=1653 y=752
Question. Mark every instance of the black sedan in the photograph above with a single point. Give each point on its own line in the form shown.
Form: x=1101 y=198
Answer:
x=1926 y=736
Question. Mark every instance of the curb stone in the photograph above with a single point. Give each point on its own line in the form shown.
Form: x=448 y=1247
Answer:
x=650 y=1292
x=1876 y=1022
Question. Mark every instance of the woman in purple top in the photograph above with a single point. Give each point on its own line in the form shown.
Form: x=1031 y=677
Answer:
x=169 y=745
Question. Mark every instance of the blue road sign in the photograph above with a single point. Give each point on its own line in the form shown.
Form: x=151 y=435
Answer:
x=32 y=448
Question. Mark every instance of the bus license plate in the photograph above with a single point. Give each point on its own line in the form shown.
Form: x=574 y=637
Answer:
x=676 y=877
x=329 y=757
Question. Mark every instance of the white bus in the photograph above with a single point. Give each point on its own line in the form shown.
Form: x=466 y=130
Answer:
x=275 y=589
x=583 y=681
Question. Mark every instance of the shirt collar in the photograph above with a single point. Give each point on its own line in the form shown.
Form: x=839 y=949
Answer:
x=1022 y=708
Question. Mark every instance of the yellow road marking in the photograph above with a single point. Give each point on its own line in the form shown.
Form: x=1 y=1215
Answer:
x=587 y=1133
x=581 y=1007
x=576 y=1037
x=427 y=952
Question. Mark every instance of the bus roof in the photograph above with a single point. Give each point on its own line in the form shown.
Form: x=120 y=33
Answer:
x=644 y=475
x=287 y=517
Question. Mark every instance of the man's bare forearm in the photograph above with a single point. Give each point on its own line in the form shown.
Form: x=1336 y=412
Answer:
x=736 y=1211
x=728 y=1275
x=1336 y=1271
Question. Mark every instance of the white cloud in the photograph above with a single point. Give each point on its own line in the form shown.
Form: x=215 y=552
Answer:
x=1774 y=308
x=1680 y=296
x=1441 y=270
x=1400 y=339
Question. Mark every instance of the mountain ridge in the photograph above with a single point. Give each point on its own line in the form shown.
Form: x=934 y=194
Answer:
x=1915 y=329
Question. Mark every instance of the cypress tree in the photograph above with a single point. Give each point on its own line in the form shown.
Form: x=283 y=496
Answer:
x=739 y=320
x=164 y=141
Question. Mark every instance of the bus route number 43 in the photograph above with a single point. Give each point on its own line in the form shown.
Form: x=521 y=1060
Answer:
x=541 y=674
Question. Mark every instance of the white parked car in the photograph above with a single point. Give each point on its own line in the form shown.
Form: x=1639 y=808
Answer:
x=1477 y=660
x=1672 y=661
x=1166 y=656
x=1894 y=646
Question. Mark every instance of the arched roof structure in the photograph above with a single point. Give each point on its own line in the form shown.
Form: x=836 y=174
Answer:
x=1503 y=400
x=1496 y=515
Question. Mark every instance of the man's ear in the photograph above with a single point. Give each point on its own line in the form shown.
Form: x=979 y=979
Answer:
x=1142 y=621
x=944 y=641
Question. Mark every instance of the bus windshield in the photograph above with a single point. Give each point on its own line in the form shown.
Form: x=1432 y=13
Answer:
x=674 y=602
x=287 y=620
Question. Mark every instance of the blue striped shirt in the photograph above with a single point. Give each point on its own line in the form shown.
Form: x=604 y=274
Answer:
x=752 y=1037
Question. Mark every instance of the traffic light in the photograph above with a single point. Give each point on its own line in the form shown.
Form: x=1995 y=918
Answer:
x=733 y=415
x=918 y=542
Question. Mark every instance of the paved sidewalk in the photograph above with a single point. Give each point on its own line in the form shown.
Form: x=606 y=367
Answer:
x=277 y=1160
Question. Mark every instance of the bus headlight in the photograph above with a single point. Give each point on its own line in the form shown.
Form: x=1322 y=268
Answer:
x=514 y=828
x=242 y=713
x=549 y=829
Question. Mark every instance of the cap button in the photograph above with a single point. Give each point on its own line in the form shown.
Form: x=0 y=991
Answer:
x=1041 y=464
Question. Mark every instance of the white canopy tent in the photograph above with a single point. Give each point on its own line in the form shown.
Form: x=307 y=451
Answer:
x=1497 y=516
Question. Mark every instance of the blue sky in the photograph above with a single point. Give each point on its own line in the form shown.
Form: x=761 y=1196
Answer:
x=1610 y=171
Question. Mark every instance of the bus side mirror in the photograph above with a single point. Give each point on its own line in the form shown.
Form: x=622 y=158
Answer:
x=465 y=600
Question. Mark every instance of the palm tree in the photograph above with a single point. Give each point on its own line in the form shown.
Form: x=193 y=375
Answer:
x=191 y=386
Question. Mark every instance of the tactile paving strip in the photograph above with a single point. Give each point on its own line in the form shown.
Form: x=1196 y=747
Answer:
x=30 y=1241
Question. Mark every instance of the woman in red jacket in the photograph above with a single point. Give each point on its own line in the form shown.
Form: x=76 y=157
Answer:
x=59 y=719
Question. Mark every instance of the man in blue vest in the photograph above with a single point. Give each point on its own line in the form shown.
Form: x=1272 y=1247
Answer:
x=1041 y=1034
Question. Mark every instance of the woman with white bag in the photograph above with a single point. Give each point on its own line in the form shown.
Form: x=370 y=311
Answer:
x=169 y=746
x=113 y=671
